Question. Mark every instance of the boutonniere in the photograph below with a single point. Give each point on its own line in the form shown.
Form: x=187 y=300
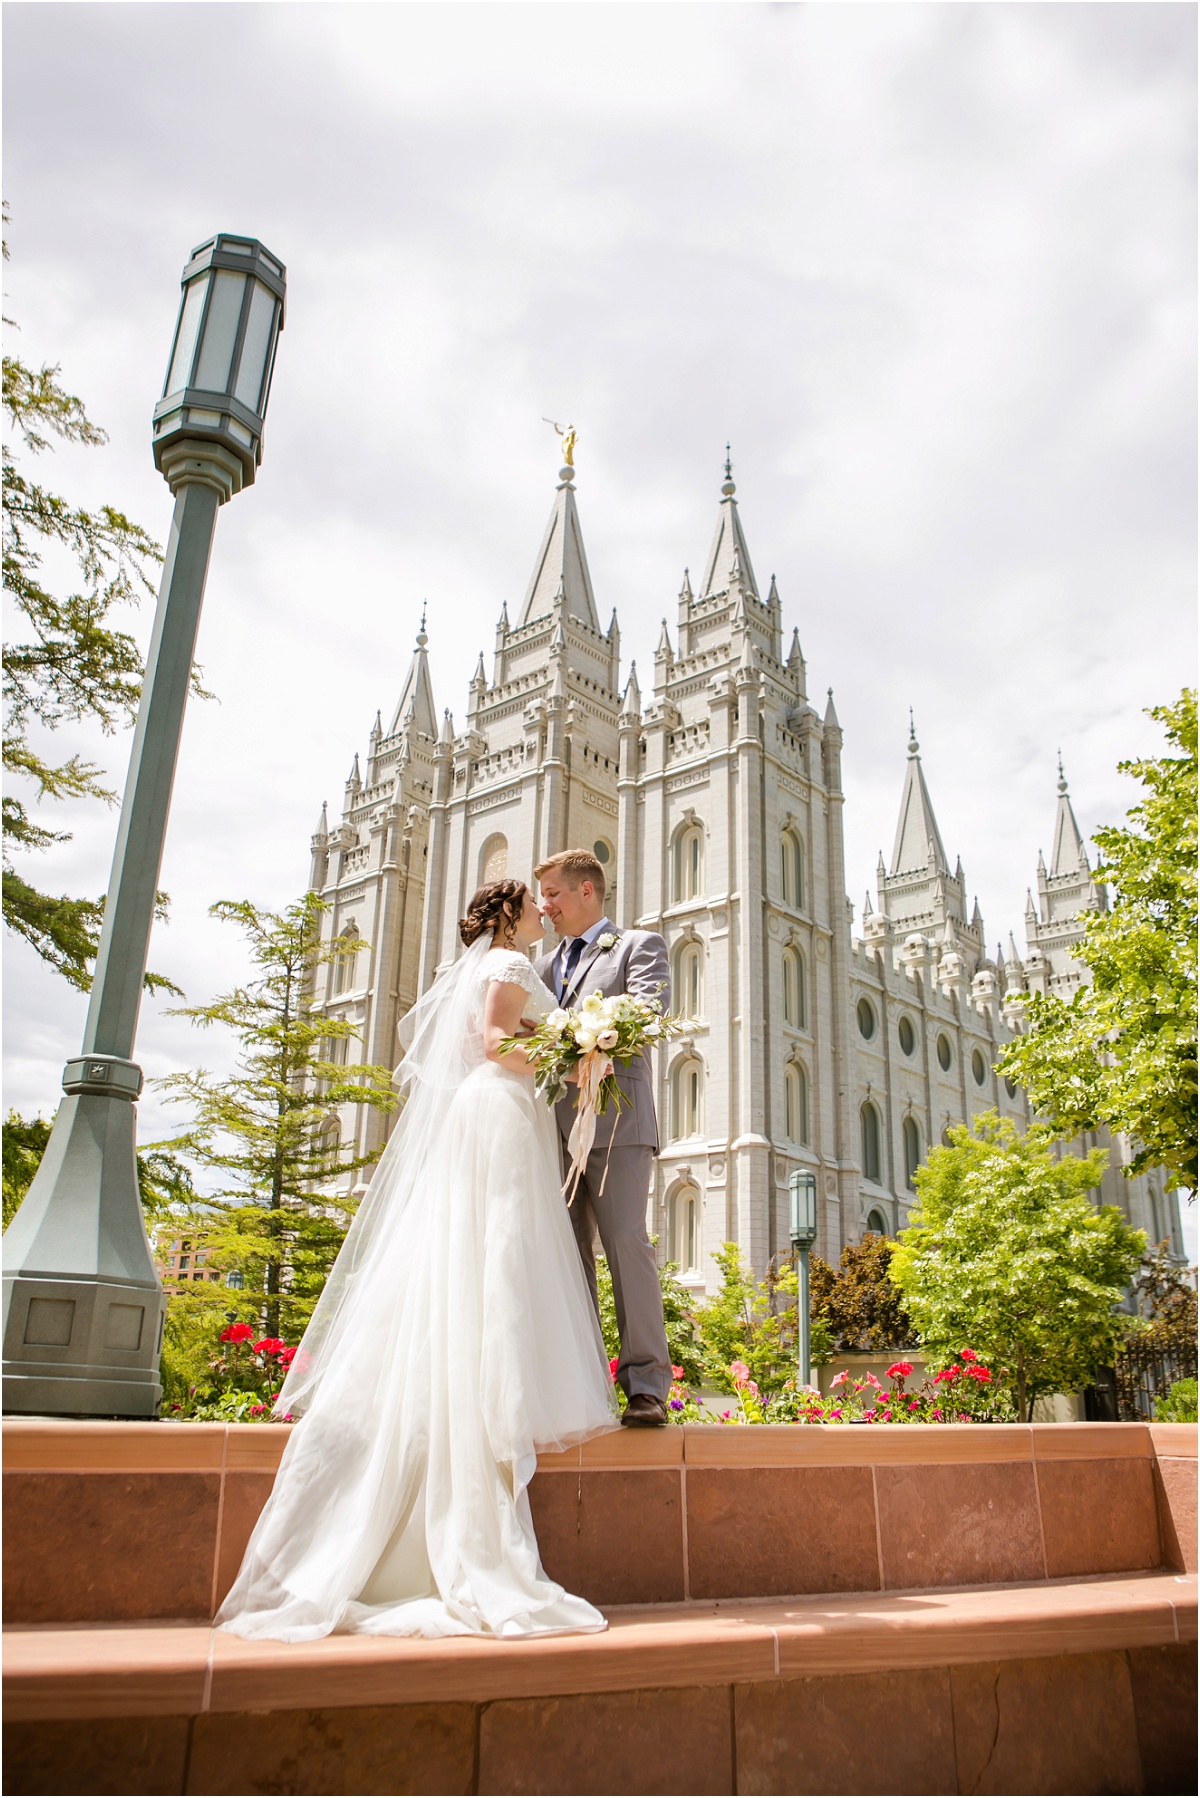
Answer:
x=609 y=940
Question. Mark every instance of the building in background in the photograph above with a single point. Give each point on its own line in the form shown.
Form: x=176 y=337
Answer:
x=714 y=802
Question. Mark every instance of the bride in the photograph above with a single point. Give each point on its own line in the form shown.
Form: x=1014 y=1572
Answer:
x=455 y=1338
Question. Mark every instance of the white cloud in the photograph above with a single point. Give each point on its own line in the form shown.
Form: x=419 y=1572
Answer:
x=929 y=268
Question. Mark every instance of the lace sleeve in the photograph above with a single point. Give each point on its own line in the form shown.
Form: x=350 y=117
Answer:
x=511 y=966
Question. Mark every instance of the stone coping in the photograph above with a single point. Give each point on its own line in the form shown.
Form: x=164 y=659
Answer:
x=44 y=1446
x=162 y=1670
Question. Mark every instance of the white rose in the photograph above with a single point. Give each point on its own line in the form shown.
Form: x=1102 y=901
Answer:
x=558 y=1018
x=653 y=1029
x=607 y=1039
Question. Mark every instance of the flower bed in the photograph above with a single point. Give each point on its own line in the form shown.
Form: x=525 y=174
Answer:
x=964 y=1391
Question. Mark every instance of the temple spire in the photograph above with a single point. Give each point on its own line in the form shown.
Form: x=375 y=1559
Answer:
x=918 y=838
x=415 y=704
x=560 y=573
x=1069 y=855
x=728 y=559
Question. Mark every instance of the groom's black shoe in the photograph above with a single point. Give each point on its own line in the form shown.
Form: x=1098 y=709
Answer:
x=644 y=1412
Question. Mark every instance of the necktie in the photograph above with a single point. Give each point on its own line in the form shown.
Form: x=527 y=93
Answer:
x=570 y=963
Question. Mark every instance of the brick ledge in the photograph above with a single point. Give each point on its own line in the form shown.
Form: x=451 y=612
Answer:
x=165 y=1670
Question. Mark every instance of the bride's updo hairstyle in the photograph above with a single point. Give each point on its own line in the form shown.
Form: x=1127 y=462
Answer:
x=495 y=909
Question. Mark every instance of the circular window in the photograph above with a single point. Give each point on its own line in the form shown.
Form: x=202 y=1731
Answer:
x=944 y=1055
x=602 y=852
x=908 y=1036
x=1010 y=1088
x=978 y=1067
x=866 y=1018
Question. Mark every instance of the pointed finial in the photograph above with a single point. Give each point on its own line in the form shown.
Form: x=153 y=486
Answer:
x=377 y=727
x=322 y=829
x=727 y=486
x=664 y=651
x=422 y=639
x=913 y=745
x=446 y=734
x=1062 y=779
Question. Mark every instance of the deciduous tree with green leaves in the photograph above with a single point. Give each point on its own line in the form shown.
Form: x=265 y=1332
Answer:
x=1122 y=1051
x=68 y=661
x=267 y=1131
x=1006 y=1254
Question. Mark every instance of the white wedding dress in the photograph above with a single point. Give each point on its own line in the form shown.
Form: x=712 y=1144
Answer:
x=454 y=1339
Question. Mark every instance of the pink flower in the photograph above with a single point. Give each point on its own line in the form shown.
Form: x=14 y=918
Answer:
x=740 y=1372
x=870 y=1380
x=899 y=1370
x=839 y=1379
x=677 y=1373
x=967 y=1355
x=612 y=1369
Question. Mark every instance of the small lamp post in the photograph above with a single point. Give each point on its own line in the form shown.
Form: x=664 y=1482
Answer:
x=802 y=1190
x=83 y=1304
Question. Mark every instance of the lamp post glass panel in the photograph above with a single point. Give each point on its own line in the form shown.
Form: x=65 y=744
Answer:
x=83 y=1304
x=802 y=1191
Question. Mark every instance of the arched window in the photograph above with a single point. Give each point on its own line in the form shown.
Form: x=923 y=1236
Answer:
x=794 y=995
x=687 y=998
x=869 y=1123
x=493 y=859
x=687 y=1097
x=912 y=1152
x=343 y=967
x=329 y=1142
x=791 y=857
x=877 y=1223
x=683 y=1229
x=796 y=1103
x=689 y=862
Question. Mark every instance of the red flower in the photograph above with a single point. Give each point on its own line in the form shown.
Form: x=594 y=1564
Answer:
x=612 y=1369
x=947 y=1373
x=899 y=1370
x=236 y=1333
x=288 y=1356
x=677 y=1373
x=967 y=1355
x=270 y=1345
x=978 y=1373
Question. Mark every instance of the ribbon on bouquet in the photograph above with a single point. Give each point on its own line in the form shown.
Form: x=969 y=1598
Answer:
x=594 y=1067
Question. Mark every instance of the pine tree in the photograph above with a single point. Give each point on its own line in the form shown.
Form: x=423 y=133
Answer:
x=269 y=1131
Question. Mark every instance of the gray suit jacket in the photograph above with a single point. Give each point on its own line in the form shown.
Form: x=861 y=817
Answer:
x=636 y=963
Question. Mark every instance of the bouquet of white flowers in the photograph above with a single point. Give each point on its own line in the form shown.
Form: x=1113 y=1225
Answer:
x=587 y=1042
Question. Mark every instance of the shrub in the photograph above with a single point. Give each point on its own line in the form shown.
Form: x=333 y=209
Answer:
x=1178 y=1405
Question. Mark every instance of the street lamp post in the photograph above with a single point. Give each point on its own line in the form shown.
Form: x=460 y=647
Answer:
x=83 y=1304
x=802 y=1190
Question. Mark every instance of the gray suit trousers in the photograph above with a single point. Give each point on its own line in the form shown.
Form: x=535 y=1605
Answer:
x=619 y=1215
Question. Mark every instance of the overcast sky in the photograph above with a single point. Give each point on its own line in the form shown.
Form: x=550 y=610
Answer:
x=929 y=268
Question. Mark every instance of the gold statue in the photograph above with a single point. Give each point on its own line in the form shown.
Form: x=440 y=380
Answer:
x=568 y=440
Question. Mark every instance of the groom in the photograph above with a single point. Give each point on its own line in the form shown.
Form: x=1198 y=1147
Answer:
x=593 y=955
